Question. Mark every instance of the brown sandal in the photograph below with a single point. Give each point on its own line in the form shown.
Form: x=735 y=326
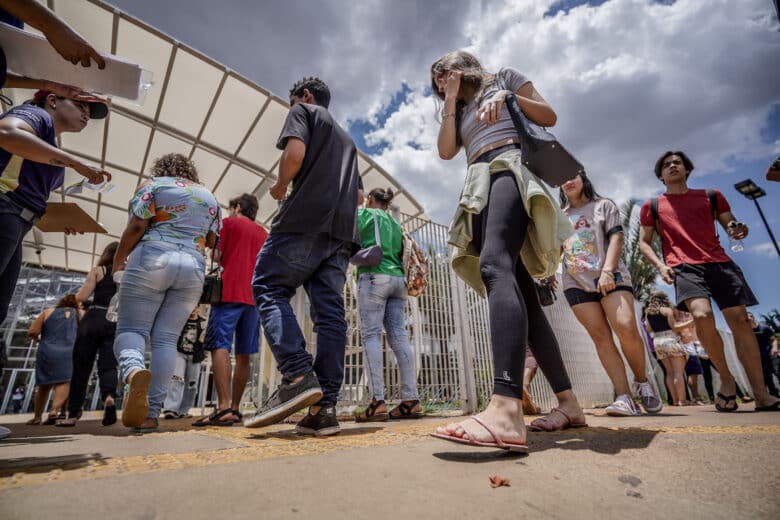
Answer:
x=407 y=411
x=370 y=415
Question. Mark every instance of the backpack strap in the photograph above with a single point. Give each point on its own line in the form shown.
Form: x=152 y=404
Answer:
x=654 y=211
x=713 y=203
x=714 y=207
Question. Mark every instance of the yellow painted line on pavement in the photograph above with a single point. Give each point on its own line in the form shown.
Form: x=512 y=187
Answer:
x=281 y=441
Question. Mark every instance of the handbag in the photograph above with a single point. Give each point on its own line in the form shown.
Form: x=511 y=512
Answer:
x=370 y=256
x=540 y=150
x=212 y=283
x=546 y=293
x=415 y=265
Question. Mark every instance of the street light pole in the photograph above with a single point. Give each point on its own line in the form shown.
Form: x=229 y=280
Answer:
x=750 y=190
x=766 y=224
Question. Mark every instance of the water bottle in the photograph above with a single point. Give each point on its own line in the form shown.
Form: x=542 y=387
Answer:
x=112 y=313
x=734 y=244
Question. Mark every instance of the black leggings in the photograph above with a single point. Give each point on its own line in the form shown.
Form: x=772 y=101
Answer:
x=95 y=338
x=499 y=232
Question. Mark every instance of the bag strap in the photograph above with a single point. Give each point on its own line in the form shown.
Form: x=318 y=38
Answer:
x=654 y=211
x=713 y=203
x=377 y=237
x=219 y=262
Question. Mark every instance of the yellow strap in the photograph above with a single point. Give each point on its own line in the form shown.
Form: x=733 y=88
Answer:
x=9 y=179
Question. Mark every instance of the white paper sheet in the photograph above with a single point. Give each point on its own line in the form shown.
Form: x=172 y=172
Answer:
x=32 y=56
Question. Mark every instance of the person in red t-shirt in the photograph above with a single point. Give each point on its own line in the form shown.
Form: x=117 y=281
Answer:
x=239 y=243
x=699 y=268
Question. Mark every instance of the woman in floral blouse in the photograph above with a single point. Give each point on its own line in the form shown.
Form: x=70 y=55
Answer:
x=173 y=219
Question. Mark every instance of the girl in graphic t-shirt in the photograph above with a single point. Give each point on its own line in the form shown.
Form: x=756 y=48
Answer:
x=597 y=286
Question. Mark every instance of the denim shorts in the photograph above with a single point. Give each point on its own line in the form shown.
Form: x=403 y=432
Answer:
x=227 y=319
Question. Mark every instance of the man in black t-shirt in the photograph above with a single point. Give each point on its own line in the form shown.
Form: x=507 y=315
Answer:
x=311 y=240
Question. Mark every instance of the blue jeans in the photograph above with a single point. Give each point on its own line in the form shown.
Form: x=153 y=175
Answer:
x=184 y=385
x=319 y=264
x=161 y=285
x=381 y=299
x=13 y=228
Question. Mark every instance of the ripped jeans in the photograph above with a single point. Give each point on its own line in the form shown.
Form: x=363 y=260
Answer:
x=184 y=385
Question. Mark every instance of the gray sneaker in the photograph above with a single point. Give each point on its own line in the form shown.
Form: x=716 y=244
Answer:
x=624 y=406
x=287 y=399
x=649 y=398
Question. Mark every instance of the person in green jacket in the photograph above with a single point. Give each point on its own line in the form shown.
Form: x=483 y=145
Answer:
x=381 y=300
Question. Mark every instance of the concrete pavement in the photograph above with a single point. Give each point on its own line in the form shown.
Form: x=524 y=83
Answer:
x=689 y=462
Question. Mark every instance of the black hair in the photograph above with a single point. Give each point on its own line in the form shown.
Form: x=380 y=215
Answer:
x=659 y=164
x=382 y=196
x=587 y=189
x=175 y=165
x=247 y=203
x=318 y=88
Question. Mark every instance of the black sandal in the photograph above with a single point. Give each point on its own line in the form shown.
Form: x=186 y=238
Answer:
x=109 y=415
x=239 y=415
x=370 y=415
x=725 y=408
x=406 y=411
x=215 y=419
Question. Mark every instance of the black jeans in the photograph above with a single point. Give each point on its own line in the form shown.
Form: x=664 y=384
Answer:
x=499 y=231
x=768 y=369
x=13 y=228
x=95 y=338
x=319 y=264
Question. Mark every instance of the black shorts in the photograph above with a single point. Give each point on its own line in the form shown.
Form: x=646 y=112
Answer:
x=575 y=296
x=721 y=281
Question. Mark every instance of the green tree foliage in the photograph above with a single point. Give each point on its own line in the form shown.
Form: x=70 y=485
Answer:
x=643 y=274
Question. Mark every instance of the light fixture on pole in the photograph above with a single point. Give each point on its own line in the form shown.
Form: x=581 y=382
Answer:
x=751 y=191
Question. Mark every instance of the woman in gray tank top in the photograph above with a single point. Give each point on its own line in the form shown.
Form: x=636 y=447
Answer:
x=474 y=117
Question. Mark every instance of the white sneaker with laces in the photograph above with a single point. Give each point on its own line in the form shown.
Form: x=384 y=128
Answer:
x=648 y=396
x=624 y=406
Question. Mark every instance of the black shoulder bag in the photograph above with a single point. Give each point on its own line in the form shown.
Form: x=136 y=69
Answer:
x=212 y=283
x=540 y=150
x=370 y=256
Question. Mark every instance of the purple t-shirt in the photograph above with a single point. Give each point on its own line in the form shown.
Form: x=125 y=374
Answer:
x=27 y=182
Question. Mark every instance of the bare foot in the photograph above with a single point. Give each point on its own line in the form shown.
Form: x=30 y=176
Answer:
x=766 y=402
x=503 y=414
x=34 y=421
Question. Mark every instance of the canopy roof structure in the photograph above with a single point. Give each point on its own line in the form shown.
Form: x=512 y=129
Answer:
x=226 y=123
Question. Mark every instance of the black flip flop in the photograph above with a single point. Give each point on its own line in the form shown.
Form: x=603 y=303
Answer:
x=774 y=407
x=109 y=415
x=215 y=419
x=726 y=398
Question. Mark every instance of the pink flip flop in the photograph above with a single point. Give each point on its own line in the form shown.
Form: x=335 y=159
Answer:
x=536 y=425
x=509 y=446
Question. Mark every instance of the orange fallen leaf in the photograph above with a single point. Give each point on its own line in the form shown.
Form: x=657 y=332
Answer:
x=497 y=481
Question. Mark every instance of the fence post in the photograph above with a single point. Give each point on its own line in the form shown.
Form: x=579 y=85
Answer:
x=465 y=352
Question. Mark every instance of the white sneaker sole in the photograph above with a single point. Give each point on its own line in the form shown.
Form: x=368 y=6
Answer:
x=618 y=412
x=324 y=432
x=284 y=410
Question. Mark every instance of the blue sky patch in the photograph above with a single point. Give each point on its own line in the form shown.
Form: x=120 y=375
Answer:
x=359 y=128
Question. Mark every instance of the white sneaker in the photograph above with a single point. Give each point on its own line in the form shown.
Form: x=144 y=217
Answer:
x=623 y=406
x=649 y=398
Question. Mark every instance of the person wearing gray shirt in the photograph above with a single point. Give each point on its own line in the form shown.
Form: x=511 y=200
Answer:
x=597 y=286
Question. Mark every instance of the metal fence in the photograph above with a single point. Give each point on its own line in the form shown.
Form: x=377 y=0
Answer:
x=447 y=327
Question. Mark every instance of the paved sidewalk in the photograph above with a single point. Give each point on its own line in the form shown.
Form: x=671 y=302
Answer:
x=689 y=462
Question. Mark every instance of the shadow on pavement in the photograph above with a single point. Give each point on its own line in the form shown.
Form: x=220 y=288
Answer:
x=290 y=435
x=44 y=464
x=607 y=441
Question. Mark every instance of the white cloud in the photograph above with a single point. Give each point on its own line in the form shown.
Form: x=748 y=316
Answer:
x=766 y=249
x=629 y=79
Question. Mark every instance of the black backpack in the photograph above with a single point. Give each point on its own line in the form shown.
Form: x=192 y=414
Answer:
x=713 y=204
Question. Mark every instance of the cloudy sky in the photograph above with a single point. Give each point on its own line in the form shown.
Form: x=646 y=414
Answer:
x=629 y=79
